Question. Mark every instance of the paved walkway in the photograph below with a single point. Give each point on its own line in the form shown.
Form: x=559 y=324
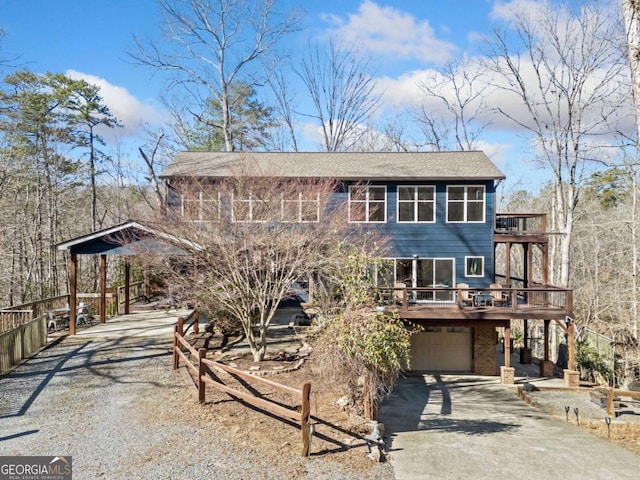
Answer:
x=471 y=427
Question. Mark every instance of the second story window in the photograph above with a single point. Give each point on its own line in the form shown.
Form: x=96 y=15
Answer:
x=416 y=204
x=251 y=209
x=368 y=204
x=301 y=208
x=465 y=203
x=201 y=207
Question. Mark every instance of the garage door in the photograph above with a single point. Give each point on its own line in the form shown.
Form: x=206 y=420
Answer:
x=444 y=349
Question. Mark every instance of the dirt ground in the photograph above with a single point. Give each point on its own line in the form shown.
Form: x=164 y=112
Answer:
x=339 y=432
x=623 y=430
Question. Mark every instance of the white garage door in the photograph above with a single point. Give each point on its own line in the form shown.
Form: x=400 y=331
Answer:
x=444 y=349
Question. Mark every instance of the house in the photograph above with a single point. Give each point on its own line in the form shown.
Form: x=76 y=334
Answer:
x=438 y=210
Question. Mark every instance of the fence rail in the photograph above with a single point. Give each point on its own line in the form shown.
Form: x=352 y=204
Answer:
x=22 y=341
x=202 y=369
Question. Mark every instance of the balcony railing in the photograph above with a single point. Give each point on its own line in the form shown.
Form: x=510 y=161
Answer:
x=520 y=223
x=521 y=300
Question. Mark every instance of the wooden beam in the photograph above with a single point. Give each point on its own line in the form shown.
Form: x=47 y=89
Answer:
x=546 y=339
x=507 y=263
x=507 y=345
x=127 y=278
x=571 y=341
x=103 y=288
x=73 y=292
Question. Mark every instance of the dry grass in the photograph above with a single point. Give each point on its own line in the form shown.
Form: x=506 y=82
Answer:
x=339 y=432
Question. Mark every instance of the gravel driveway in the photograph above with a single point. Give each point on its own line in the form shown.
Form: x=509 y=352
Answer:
x=121 y=412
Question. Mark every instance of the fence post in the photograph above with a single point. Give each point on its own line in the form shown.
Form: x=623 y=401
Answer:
x=202 y=353
x=176 y=359
x=181 y=326
x=610 y=409
x=305 y=416
x=196 y=317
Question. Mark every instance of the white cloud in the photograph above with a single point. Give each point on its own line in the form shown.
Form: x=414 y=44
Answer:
x=130 y=111
x=390 y=32
x=513 y=10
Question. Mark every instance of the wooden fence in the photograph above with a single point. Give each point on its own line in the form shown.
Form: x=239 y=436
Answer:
x=613 y=399
x=136 y=292
x=202 y=373
x=22 y=341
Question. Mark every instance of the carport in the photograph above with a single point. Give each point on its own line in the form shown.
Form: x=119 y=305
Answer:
x=127 y=239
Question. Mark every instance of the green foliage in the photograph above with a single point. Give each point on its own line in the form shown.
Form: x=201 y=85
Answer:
x=251 y=123
x=590 y=361
x=610 y=187
x=359 y=341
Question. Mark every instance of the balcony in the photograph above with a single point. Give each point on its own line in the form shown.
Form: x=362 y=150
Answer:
x=485 y=304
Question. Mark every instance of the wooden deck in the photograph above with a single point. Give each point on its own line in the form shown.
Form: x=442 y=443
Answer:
x=486 y=305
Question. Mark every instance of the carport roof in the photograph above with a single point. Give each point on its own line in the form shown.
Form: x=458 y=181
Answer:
x=129 y=238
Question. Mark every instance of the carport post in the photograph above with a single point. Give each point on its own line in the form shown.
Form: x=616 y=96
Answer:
x=127 y=275
x=103 y=288
x=73 y=285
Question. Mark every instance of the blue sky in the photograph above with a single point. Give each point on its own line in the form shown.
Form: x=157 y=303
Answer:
x=405 y=38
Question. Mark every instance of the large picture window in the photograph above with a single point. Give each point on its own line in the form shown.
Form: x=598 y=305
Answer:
x=465 y=203
x=432 y=278
x=368 y=204
x=416 y=204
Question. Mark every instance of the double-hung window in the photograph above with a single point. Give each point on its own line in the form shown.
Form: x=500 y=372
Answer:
x=250 y=209
x=465 y=203
x=301 y=208
x=416 y=204
x=368 y=204
x=201 y=207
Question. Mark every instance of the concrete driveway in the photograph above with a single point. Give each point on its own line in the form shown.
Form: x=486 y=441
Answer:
x=463 y=427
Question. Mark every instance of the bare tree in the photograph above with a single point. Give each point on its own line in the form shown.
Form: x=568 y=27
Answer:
x=454 y=109
x=257 y=234
x=564 y=90
x=343 y=93
x=631 y=14
x=212 y=45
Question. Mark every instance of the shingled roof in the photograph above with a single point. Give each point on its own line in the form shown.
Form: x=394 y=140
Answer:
x=468 y=165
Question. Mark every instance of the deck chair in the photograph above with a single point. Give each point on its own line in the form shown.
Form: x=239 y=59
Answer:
x=399 y=292
x=464 y=295
x=499 y=298
x=52 y=325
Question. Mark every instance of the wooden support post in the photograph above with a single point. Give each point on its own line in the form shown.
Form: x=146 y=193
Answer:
x=305 y=419
x=610 y=409
x=525 y=334
x=73 y=292
x=127 y=278
x=176 y=358
x=571 y=344
x=546 y=339
x=545 y=264
x=202 y=353
x=147 y=281
x=196 y=318
x=507 y=344
x=103 y=289
x=507 y=264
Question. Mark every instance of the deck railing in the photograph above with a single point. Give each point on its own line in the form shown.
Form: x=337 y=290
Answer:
x=521 y=223
x=515 y=299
